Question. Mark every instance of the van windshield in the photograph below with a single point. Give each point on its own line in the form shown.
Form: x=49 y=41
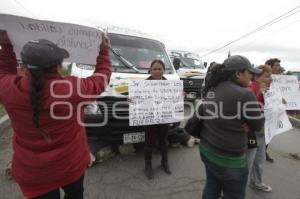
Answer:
x=140 y=52
x=191 y=63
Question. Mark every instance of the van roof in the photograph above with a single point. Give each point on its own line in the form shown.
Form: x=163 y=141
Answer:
x=127 y=31
x=183 y=53
x=297 y=69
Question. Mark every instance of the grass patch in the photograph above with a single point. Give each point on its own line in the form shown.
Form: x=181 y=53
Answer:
x=2 y=111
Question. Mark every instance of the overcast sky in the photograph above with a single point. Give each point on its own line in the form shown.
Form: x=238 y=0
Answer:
x=196 y=25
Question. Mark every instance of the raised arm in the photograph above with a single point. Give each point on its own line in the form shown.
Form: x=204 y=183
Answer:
x=96 y=84
x=8 y=61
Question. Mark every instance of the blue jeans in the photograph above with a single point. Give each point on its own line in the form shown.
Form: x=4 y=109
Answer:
x=256 y=160
x=231 y=182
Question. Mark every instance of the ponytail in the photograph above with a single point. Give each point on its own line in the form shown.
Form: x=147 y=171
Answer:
x=215 y=76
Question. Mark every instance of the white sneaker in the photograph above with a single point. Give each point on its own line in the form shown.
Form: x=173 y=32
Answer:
x=92 y=160
x=264 y=188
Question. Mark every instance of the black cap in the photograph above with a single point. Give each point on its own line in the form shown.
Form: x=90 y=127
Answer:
x=42 y=53
x=238 y=62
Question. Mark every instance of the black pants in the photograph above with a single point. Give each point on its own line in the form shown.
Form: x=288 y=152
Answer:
x=72 y=191
x=152 y=131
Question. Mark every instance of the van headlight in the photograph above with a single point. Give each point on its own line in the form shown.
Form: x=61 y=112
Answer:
x=92 y=109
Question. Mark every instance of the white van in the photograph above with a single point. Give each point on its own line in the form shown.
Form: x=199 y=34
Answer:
x=131 y=55
x=296 y=72
x=191 y=70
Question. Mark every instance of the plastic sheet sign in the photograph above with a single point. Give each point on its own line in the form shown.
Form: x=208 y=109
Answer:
x=289 y=89
x=276 y=119
x=155 y=102
x=82 y=42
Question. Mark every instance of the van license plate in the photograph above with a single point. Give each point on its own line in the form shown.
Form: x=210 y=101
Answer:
x=134 y=137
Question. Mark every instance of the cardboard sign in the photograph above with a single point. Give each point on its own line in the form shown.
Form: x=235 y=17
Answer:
x=289 y=89
x=276 y=119
x=81 y=42
x=155 y=102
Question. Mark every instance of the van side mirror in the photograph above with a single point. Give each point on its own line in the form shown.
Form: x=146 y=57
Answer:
x=205 y=64
x=176 y=63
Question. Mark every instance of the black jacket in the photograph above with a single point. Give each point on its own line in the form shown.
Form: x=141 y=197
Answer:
x=151 y=78
x=226 y=135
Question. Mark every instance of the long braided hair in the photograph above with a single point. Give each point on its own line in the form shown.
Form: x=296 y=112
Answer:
x=36 y=94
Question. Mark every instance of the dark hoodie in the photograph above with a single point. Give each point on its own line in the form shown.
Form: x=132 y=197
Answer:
x=226 y=136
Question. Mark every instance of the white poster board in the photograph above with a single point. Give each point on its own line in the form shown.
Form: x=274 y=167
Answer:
x=289 y=89
x=155 y=102
x=81 y=42
x=276 y=119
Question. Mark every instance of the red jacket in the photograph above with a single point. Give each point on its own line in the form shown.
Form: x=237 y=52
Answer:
x=254 y=87
x=38 y=166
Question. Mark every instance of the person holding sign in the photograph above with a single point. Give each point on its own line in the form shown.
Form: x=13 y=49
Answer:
x=276 y=70
x=275 y=65
x=50 y=146
x=257 y=156
x=157 y=68
x=228 y=105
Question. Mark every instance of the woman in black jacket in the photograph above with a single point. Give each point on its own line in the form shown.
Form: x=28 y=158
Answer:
x=157 y=68
x=228 y=106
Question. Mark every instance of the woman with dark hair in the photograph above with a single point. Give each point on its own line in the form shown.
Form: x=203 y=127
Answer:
x=157 y=68
x=50 y=146
x=257 y=156
x=227 y=107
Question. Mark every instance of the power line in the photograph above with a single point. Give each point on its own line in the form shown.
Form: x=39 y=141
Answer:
x=16 y=1
x=273 y=21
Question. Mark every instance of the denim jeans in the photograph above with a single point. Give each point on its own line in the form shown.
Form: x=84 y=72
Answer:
x=231 y=182
x=256 y=160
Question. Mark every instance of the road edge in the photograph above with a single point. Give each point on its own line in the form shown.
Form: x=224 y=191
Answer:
x=4 y=119
x=295 y=122
x=4 y=123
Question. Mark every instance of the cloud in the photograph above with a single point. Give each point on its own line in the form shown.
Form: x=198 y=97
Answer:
x=259 y=52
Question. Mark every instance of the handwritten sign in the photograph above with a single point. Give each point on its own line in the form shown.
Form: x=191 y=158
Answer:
x=81 y=42
x=155 y=102
x=276 y=119
x=289 y=89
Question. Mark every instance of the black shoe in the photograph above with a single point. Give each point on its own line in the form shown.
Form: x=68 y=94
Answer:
x=269 y=158
x=149 y=172
x=165 y=166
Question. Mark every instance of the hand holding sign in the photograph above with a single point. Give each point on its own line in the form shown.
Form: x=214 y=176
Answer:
x=105 y=44
x=4 y=38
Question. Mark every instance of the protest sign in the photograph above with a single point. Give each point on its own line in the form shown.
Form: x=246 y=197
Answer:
x=276 y=119
x=155 y=102
x=81 y=42
x=289 y=89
